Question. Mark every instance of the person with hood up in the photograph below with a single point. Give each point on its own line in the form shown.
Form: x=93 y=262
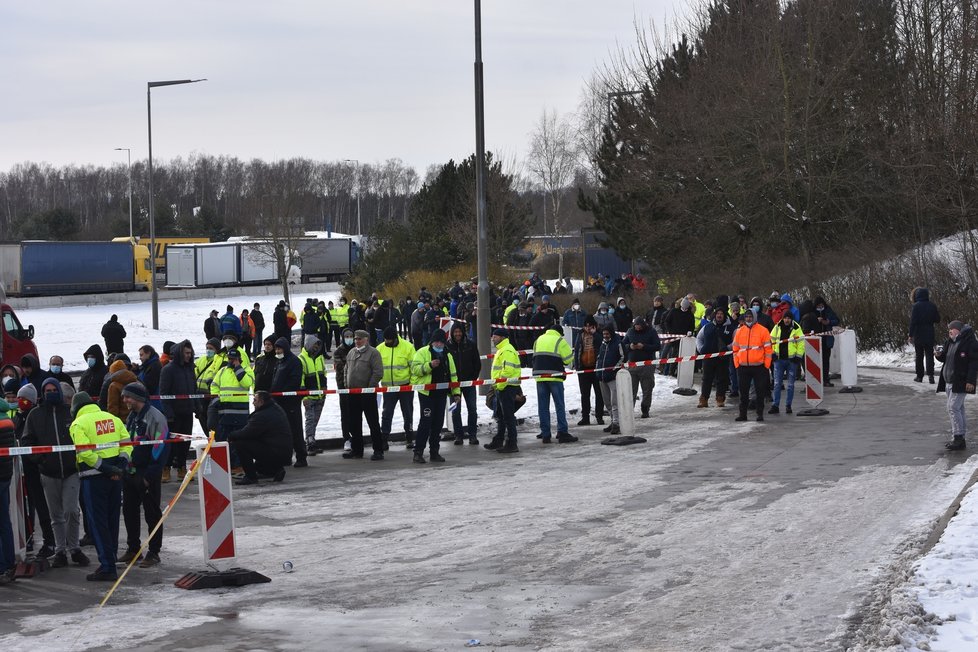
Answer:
x=574 y=319
x=313 y=378
x=110 y=396
x=826 y=319
x=48 y=425
x=432 y=364
x=150 y=367
x=924 y=315
x=339 y=368
x=611 y=356
x=178 y=378
x=265 y=364
x=288 y=378
x=603 y=316
x=715 y=337
x=141 y=483
x=114 y=335
x=468 y=365
x=31 y=371
x=27 y=397
x=205 y=369
x=397 y=354
x=623 y=316
x=959 y=372
x=101 y=472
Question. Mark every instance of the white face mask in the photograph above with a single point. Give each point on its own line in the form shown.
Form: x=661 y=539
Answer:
x=576 y=306
x=348 y=341
x=228 y=343
x=361 y=349
x=279 y=355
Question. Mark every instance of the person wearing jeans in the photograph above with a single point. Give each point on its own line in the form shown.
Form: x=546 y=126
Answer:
x=958 y=377
x=468 y=364
x=611 y=356
x=788 y=342
x=551 y=354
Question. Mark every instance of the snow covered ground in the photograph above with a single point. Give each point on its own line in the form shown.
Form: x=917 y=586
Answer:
x=934 y=607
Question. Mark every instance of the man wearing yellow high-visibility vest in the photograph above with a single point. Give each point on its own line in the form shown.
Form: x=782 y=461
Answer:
x=551 y=354
x=313 y=378
x=506 y=374
x=101 y=472
x=231 y=384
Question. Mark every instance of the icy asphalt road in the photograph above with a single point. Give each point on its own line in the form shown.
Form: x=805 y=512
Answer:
x=713 y=536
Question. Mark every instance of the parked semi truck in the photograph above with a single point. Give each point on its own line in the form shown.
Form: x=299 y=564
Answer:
x=223 y=263
x=325 y=259
x=47 y=268
x=162 y=242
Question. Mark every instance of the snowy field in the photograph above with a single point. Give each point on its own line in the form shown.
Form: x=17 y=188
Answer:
x=935 y=608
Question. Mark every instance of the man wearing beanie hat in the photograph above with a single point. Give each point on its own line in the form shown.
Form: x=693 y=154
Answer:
x=47 y=425
x=36 y=503
x=142 y=486
x=101 y=472
x=958 y=377
x=364 y=368
x=397 y=354
x=433 y=364
x=288 y=378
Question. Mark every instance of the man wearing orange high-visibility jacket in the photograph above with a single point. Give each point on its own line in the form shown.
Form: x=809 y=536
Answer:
x=101 y=472
x=752 y=357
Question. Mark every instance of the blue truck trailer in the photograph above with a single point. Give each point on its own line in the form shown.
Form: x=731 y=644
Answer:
x=43 y=268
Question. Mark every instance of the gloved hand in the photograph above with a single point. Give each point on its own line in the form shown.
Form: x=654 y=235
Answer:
x=111 y=470
x=239 y=373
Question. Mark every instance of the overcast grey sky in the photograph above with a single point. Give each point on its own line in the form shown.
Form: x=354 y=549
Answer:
x=323 y=79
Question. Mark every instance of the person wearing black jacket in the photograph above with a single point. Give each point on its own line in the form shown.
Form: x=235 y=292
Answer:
x=959 y=374
x=114 y=335
x=47 y=425
x=7 y=559
x=179 y=377
x=265 y=365
x=31 y=371
x=264 y=445
x=641 y=343
x=56 y=370
x=91 y=380
x=678 y=321
x=923 y=316
x=149 y=372
x=468 y=364
x=715 y=336
x=288 y=378
x=212 y=325
x=280 y=321
x=258 y=320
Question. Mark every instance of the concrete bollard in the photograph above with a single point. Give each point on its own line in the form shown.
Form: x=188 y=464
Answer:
x=845 y=342
x=626 y=411
x=684 y=377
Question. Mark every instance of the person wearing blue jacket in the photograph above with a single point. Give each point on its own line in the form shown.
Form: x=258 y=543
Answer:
x=574 y=317
x=230 y=323
x=827 y=320
x=141 y=484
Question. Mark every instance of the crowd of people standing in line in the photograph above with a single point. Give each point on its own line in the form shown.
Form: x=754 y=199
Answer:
x=374 y=344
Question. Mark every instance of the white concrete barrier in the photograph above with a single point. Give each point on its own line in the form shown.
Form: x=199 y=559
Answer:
x=626 y=409
x=684 y=376
x=846 y=344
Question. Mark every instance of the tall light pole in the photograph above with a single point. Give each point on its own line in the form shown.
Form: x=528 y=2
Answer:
x=484 y=312
x=129 y=164
x=152 y=220
x=353 y=160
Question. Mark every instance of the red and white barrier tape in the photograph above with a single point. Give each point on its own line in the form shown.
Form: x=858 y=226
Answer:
x=70 y=448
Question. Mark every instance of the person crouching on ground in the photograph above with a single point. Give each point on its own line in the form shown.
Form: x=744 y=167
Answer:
x=264 y=444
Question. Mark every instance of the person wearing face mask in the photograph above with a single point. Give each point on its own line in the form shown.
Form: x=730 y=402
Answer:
x=27 y=397
x=715 y=337
x=752 y=355
x=231 y=385
x=623 y=316
x=959 y=356
x=229 y=341
x=339 y=367
x=611 y=356
x=585 y=360
x=48 y=425
x=468 y=364
x=313 y=378
x=364 y=368
x=56 y=370
x=603 y=316
x=787 y=340
x=574 y=319
x=288 y=378
x=265 y=365
x=761 y=315
x=678 y=321
x=432 y=364
x=827 y=320
x=205 y=369
x=8 y=561
x=95 y=370
x=397 y=355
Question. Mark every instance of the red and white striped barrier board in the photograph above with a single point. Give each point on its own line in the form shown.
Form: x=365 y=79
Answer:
x=814 y=383
x=216 y=503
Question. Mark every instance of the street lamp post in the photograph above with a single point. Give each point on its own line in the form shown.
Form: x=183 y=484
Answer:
x=484 y=312
x=152 y=220
x=353 y=160
x=129 y=165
